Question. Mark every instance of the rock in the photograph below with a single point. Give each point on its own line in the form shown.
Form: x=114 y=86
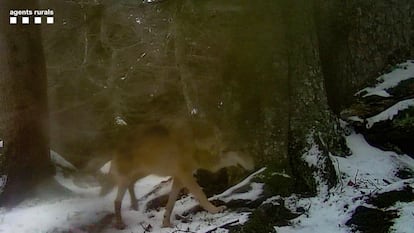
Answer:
x=395 y=130
x=212 y=183
x=403 y=90
x=388 y=199
x=157 y=203
x=405 y=173
x=370 y=220
x=395 y=135
x=265 y=217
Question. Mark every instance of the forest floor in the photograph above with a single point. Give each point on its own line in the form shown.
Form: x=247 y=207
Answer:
x=366 y=173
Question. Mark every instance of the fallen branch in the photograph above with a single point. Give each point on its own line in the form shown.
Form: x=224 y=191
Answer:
x=183 y=231
x=223 y=225
x=157 y=188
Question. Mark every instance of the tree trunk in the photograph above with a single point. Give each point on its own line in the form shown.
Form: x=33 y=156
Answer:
x=23 y=96
x=360 y=39
x=271 y=86
x=313 y=130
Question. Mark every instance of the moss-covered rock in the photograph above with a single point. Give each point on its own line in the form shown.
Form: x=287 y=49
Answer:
x=265 y=218
x=371 y=220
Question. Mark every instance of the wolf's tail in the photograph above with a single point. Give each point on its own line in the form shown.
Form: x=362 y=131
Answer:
x=105 y=178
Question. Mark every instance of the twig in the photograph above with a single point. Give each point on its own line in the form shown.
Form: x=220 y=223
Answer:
x=147 y=228
x=223 y=225
x=373 y=184
x=341 y=184
x=185 y=231
x=356 y=175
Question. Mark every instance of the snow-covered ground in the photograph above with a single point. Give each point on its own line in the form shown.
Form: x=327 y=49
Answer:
x=80 y=213
x=401 y=72
x=367 y=170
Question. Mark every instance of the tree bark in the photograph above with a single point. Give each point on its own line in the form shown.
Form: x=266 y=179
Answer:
x=25 y=159
x=360 y=39
x=313 y=130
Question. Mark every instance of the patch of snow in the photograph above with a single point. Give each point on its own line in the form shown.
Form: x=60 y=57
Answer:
x=281 y=174
x=199 y=222
x=52 y=216
x=313 y=154
x=120 y=121
x=370 y=166
x=323 y=216
x=356 y=119
x=194 y=111
x=389 y=113
x=404 y=223
x=381 y=93
x=68 y=183
x=367 y=170
x=106 y=167
x=275 y=200
x=70 y=214
x=403 y=72
x=231 y=220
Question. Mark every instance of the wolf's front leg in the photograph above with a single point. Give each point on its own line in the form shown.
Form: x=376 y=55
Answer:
x=175 y=190
x=195 y=189
x=119 y=224
x=134 y=200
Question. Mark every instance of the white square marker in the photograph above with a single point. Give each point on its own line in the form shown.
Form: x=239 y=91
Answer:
x=13 y=20
x=25 y=20
x=37 y=20
x=50 y=20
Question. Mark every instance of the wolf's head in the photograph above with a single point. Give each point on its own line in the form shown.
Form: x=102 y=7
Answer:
x=211 y=148
x=214 y=162
x=233 y=158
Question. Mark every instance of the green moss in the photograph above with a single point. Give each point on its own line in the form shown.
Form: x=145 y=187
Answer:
x=405 y=119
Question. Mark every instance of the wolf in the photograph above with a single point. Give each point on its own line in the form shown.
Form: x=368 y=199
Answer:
x=175 y=150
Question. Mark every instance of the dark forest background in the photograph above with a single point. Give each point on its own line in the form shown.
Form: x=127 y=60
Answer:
x=273 y=75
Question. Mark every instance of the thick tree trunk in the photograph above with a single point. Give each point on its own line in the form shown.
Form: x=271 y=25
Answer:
x=360 y=39
x=313 y=130
x=23 y=99
x=271 y=86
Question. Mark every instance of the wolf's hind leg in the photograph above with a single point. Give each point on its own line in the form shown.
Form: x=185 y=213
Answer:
x=195 y=189
x=175 y=190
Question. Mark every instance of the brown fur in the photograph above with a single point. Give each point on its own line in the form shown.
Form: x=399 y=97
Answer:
x=175 y=150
